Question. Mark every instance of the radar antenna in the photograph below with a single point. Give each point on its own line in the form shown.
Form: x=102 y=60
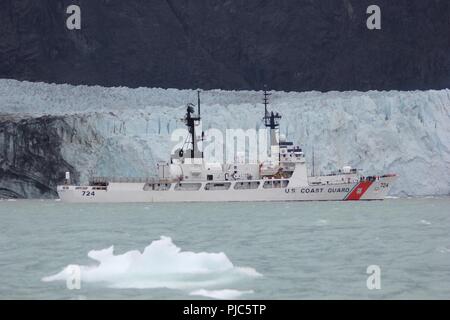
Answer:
x=191 y=120
x=271 y=120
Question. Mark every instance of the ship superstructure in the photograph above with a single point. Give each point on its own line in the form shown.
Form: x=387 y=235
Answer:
x=188 y=177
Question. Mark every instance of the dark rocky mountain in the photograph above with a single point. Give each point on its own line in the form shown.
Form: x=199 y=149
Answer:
x=239 y=44
x=31 y=163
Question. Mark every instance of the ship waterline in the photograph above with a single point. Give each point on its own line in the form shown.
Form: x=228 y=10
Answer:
x=135 y=192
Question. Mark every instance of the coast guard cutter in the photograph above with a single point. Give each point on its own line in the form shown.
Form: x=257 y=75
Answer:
x=187 y=177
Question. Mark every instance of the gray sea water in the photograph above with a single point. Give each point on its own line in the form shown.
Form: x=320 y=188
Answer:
x=301 y=250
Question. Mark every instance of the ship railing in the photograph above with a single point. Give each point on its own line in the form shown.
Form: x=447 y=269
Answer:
x=107 y=180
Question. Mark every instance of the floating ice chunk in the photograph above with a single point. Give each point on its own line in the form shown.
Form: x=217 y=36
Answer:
x=221 y=294
x=161 y=265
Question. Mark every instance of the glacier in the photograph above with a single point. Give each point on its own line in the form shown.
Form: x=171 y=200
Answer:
x=47 y=129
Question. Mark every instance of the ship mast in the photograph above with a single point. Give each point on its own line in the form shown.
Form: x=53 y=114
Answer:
x=191 y=120
x=272 y=121
x=266 y=102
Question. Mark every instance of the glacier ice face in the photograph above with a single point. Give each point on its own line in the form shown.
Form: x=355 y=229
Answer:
x=124 y=132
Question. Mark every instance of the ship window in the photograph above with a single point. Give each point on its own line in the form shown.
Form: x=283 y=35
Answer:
x=247 y=185
x=275 y=184
x=188 y=186
x=157 y=186
x=209 y=177
x=268 y=185
x=98 y=188
x=217 y=186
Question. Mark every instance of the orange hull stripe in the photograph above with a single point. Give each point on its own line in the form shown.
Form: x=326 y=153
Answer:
x=359 y=190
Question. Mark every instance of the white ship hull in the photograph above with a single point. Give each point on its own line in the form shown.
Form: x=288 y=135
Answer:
x=134 y=192
x=189 y=177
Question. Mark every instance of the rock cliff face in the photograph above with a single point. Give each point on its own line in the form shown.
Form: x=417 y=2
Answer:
x=30 y=156
x=289 y=45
